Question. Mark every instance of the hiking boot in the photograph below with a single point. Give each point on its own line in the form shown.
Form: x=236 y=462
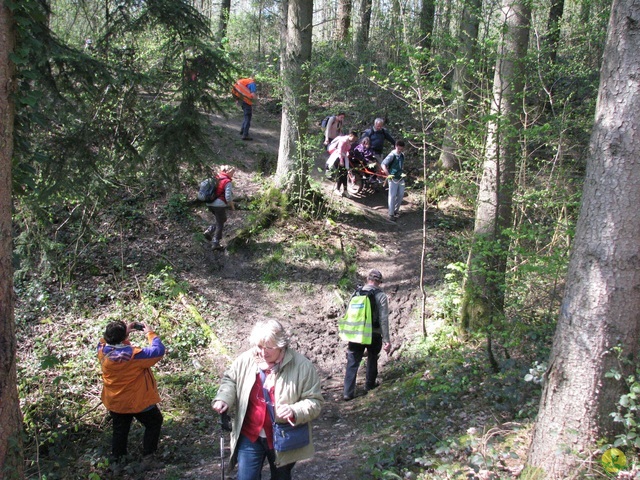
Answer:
x=396 y=214
x=208 y=235
x=392 y=218
x=216 y=246
x=347 y=398
x=247 y=138
x=368 y=388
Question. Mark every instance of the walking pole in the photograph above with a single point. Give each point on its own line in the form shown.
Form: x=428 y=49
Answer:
x=225 y=426
x=222 y=457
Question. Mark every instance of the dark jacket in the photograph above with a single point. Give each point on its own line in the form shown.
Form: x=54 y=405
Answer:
x=377 y=138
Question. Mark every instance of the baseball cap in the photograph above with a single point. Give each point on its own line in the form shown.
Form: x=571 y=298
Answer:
x=375 y=275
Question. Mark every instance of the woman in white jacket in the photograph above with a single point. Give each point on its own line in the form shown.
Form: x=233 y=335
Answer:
x=293 y=386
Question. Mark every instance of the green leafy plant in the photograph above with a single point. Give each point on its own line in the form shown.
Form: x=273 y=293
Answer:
x=628 y=406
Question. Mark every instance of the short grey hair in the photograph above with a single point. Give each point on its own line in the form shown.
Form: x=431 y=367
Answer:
x=269 y=331
x=378 y=121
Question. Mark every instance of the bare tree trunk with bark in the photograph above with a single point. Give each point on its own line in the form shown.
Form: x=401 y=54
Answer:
x=223 y=23
x=553 y=27
x=483 y=296
x=362 y=36
x=292 y=171
x=11 y=455
x=427 y=19
x=601 y=302
x=344 y=20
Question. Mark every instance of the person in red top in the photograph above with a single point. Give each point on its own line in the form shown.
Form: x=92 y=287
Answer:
x=129 y=388
x=245 y=92
x=223 y=200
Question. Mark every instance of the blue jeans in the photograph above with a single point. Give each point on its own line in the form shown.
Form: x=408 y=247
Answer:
x=247 y=110
x=251 y=458
x=355 y=352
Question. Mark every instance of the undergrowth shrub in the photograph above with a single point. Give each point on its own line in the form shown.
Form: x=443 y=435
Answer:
x=439 y=427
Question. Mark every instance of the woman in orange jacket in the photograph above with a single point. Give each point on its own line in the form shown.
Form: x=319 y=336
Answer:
x=129 y=387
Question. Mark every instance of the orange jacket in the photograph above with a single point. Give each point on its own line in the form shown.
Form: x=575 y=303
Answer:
x=241 y=91
x=128 y=383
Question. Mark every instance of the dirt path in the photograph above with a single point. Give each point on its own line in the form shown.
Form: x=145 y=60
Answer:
x=390 y=247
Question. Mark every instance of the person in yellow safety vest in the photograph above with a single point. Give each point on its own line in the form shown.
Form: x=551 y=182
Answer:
x=380 y=340
x=245 y=92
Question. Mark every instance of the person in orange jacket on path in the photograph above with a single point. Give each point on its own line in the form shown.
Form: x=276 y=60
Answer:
x=129 y=387
x=245 y=92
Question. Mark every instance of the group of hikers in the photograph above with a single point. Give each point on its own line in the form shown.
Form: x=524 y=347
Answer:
x=345 y=152
x=348 y=152
x=273 y=391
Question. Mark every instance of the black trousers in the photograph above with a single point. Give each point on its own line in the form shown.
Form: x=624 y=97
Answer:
x=355 y=352
x=152 y=421
x=341 y=178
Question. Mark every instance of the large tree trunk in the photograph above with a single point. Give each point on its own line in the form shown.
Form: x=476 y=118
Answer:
x=11 y=456
x=483 y=299
x=601 y=305
x=460 y=88
x=292 y=171
x=344 y=20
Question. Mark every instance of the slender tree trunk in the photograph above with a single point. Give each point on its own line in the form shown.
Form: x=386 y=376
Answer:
x=467 y=38
x=553 y=26
x=225 y=8
x=11 y=455
x=427 y=17
x=444 y=19
x=292 y=171
x=483 y=298
x=601 y=304
x=362 y=39
x=344 y=20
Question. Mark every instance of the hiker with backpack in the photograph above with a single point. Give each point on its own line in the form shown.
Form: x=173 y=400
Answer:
x=245 y=92
x=218 y=202
x=332 y=127
x=374 y=337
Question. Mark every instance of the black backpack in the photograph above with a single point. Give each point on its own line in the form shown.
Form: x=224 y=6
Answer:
x=325 y=121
